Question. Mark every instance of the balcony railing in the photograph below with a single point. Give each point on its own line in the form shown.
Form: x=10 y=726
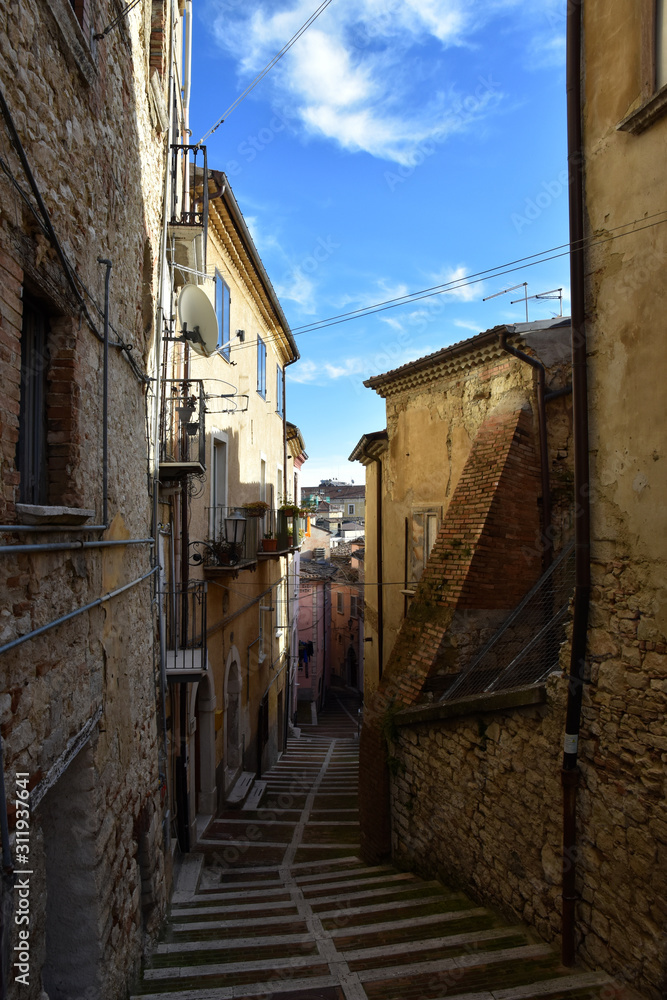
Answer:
x=185 y=630
x=182 y=429
x=189 y=203
x=271 y=534
x=189 y=172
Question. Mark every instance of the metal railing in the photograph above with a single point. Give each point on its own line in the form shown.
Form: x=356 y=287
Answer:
x=189 y=171
x=526 y=647
x=220 y=552
x=183 y=424
x=185 y=627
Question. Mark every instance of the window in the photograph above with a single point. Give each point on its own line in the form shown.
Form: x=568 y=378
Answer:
x=261 y=367
x=279 y=391
x=652 y=69
x=340 y=604
x=350 y=508
x=424 y=532
x=660 y=44
x=219 y=488
x=81 y=9
x=31 y=448
x=353 y=606
x=222 y=301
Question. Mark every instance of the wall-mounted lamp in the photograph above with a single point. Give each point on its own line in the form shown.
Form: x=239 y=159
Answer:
x=241 y=335
x=234 y=528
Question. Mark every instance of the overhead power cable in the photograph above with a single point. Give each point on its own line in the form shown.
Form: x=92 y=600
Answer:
x=267 y=69
x=543 y=257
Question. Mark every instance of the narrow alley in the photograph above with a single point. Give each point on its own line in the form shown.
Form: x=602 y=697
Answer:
x=276 y=904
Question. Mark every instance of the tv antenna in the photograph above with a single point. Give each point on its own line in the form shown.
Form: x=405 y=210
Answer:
x=553 y=293
x=523 y=284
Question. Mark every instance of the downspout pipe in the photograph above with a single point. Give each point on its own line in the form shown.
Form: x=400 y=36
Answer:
x=105 y=396
x=570 y=771
x=547 y=534
x=380 y=568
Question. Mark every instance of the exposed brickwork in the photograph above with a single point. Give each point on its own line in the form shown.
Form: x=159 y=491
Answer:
x=158 y=44
x=493 y=515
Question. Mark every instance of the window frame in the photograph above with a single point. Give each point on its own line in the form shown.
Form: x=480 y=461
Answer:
x=280 y=402
x=32 y=446
x=224 y=321
x=340 y=603
x=652 y=93
x=354 y=606
x=261 y=367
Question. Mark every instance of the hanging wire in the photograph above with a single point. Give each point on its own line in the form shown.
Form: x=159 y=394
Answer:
x=123 y=14
x=269 y=66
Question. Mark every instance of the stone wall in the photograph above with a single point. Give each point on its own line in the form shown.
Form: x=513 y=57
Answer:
x=476 y=801
x=78 y=703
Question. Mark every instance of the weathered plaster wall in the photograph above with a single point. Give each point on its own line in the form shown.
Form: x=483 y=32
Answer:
x=432 y=422
x=623 y=881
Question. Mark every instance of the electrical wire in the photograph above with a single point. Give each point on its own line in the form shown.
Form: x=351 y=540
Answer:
x=269 y=66
x=564 y=249
x=123 y=14
x=43 y=218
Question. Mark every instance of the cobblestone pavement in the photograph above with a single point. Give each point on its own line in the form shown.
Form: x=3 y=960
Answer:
x=276 y=904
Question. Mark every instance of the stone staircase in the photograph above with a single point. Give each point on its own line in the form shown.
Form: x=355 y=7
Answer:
x=276 y=904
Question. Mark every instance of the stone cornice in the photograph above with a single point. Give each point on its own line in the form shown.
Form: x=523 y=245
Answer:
x=451 y=361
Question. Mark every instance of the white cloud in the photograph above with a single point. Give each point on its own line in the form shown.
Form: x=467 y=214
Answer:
x=350 y=79
x=465 y=325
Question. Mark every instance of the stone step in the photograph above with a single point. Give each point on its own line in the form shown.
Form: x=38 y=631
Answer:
x=241 y=789
x=311 y=920
x=255 y=795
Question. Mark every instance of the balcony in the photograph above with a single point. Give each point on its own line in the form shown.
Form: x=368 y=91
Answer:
x=188 y=225
x=238 y=539
x=182 y=430
x=284 y=530
x=184 y=609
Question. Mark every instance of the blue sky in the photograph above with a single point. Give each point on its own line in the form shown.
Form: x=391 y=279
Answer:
x=399 y=144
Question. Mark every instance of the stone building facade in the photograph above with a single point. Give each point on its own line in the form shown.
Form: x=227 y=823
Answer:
x=83 y=142
x=475 y=782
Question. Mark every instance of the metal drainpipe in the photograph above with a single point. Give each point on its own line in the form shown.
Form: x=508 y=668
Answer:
x=547 y=539
x=378 y=542
x=105 y=396
x=570 y=773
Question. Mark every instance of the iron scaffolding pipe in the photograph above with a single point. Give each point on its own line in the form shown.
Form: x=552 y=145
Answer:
x=547 y=539
x=105 y=395
x=72 y=546
x=72 y=614
x=570 y=772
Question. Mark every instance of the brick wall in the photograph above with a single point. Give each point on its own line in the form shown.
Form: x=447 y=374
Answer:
x=478 y=561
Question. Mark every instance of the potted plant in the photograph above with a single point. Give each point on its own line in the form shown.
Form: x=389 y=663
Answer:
x=269 y=543
x=290 y=509
x=256 y=508
x=219 y=553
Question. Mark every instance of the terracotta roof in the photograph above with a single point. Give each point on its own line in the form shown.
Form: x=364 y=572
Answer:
x=465 y=353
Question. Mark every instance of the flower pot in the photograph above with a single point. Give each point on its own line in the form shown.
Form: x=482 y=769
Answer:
x=269 y=544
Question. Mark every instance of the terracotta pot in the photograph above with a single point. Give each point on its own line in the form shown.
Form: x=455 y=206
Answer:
x=269 y=544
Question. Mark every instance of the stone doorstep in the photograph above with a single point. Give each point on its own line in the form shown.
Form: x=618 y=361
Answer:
x=241 y=789
x=255 y=795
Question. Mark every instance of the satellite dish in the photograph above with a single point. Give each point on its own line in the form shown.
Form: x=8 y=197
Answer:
x=198 y=320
